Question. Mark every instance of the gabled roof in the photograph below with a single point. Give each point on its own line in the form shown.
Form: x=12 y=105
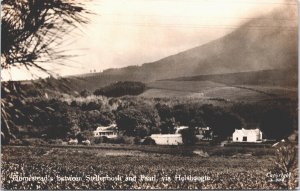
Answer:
x=247 y=131
x=110 y=127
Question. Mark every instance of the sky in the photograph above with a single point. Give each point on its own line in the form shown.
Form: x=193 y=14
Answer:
x=133 y=32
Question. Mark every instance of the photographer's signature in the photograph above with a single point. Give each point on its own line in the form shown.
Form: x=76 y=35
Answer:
x=277 y=177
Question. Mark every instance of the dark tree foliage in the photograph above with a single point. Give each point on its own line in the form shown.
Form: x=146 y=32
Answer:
x=148 y=141
x=188 y=136
x=189 y=114
x=167 y=126
x=89 y=120
x=62 y=126
x=85 y=93
x=223 y=123
x=138 y=121
x=276 y=124
x=121 y=88
x=182 y=113
x=167 y=121
x=31 y=34
x=90 y=106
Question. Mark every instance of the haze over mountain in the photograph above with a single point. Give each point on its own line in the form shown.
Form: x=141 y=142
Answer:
x=266 y=43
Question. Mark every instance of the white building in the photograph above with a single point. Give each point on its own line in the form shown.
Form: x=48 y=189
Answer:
x=109 y=131
x=167 y=139
x=247 y=135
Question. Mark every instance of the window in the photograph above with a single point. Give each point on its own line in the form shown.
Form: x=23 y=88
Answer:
x=244 y=138
x=237 y=138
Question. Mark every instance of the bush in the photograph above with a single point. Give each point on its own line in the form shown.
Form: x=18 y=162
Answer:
x=16 y=142
x=99 y=140
x=55 y=141
x=137 y=140
x=149 y=141
x=33 y=141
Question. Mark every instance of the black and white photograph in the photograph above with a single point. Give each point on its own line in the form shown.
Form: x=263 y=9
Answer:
x=149 y=94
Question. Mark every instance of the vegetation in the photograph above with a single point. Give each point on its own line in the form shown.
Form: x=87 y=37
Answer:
x=121 y=88
x=31 y=32
x=66 y=116
x=188 y=136
x=286 y=165
x=235 y=172
x=276 y=124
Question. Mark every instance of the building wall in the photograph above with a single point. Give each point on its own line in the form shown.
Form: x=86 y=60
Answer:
x=251 y=137
x=107 y=134
x=167 y=139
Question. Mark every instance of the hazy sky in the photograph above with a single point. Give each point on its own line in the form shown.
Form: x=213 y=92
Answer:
x=133 y=32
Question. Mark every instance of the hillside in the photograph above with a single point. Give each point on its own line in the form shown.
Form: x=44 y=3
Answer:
x=272 y=44
x=276 y=77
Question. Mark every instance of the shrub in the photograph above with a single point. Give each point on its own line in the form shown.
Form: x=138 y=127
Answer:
x=137 y=140
x=149 y=141
x=286 y=164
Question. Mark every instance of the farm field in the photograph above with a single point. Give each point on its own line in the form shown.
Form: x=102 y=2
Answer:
x=232 y=171
x=207 y=90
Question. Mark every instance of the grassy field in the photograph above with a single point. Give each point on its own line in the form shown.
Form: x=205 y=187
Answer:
x=223 y=169
x=208 y=90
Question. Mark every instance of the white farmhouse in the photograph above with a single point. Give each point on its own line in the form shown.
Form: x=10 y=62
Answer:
x=247 y=135
x=109 y=131
x=167 y=139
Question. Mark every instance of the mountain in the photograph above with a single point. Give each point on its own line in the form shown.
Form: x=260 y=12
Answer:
x=265 y=43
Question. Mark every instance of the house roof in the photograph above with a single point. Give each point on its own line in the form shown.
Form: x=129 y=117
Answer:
x=165 y=135
x=247 y=131
x=111 y=127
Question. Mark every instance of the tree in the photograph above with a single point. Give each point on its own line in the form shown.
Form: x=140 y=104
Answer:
x=222 y=122
x=85 y=93
x=225 y=124
x=129 y=120
x=188 y=136
x=138 y=120
x=167 y=124
x=32 y=31
x=148 y=141
x=276 y=124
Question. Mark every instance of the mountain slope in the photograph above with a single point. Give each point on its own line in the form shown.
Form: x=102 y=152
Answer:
x=268 y=42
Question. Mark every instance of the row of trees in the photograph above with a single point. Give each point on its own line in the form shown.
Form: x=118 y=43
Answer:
x=142 y=120
x=121 y=88
x=138 y=118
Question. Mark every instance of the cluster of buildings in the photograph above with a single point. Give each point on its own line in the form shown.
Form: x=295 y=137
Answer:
x=203 y=134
